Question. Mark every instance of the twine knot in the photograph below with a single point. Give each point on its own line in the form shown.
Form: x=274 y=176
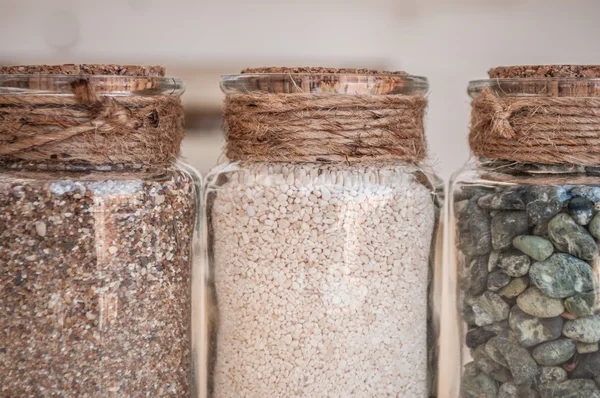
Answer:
x=89 y=128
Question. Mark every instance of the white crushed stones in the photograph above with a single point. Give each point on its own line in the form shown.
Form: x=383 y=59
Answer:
x=321 y=274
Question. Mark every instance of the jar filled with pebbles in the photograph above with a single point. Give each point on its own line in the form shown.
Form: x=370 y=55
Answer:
x=321 y=232
x=97 y=224
x=526 y=229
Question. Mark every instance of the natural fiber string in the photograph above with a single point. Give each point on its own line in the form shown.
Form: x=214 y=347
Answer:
x=324 y=127
x=546 y=130
x=88 y=128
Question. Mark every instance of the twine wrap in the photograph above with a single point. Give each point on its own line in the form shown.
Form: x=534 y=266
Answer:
x=546 y=130
x=324 y=127
x=88 y=128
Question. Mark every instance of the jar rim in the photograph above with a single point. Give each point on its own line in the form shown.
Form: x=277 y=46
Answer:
x=537 y=87
x=105 y=85
x=321 y=83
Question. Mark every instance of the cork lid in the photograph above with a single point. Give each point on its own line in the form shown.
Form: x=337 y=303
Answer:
x=323 y=80
x=106 y=79
x=85 y=69
x=322 y=70
x=545 y=71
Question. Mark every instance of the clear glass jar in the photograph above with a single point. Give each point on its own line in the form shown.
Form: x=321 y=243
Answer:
x=321 y=272
x=523 y=245
x=95 y=262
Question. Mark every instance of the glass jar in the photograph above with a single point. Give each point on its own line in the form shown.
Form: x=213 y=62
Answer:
x=321 y=270
x=524 y=243
x=95 y=256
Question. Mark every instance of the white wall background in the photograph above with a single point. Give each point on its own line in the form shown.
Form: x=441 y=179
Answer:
x=451 y=42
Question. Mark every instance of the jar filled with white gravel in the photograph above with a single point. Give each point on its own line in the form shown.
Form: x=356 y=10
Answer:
x=321 y=235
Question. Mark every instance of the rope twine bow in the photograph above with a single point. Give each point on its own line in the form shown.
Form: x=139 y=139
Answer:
x=88 y=128
x=545 y=130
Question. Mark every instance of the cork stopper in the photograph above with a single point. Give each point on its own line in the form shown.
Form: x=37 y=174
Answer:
x=321 y=70
x=545 y=71
x=85 y=69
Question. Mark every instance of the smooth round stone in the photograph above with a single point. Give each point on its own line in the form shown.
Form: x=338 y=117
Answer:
x=478 y=336
x=536 y=247
x=475 y=275
x=570 y=237
x=551 y=373
x=574 y=388
x=478 y=385
x=489 y=308
x=582 y=210
x=536 y=303
x=530 y=330
x=514 y=288
x=508 y=390
x=588 y=366
x=511 y=390
x=497 y=280
x=520 y=363
x=594 y=226
x=490 y=367
x=583 y=304
x=585 y=330
x=587 y=348
x=506 y=225
x=508 y=199
x=554 y=352
x=474 y=230
x=544 y=202
x=561 y=275
x=493 y=260
x=513 y=263
x=590 y=193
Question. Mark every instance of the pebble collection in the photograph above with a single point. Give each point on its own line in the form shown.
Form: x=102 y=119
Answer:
x=95 y=284
x=528 y=290
x=322 y=274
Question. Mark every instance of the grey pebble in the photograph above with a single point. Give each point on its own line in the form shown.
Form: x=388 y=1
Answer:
x=551 y=373
x=530 y=330
x=474 y=230
x=506 y=225
x=489 y=308
x=588 y=366
x=497 y=280
x=520 y=363
x=508 y=199
x=594 y=226
x=536 y=247
x=514 y=288
x=590 y=193
x=544 y=202
x=536 y=303
x=514 y=263
x=582 y=210
x=574 y=388
x=490 y=367
x=478 y=385
x=583 y=304
x=585 y=330
x=561 y=275
x=554 y=352
x=475 y=275
x=511 y=390
x=570 y=237
x=587 y=348
x=478 y=336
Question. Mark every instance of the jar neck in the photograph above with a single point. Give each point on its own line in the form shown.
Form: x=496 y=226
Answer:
x=91 y=125
x=549 y=121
